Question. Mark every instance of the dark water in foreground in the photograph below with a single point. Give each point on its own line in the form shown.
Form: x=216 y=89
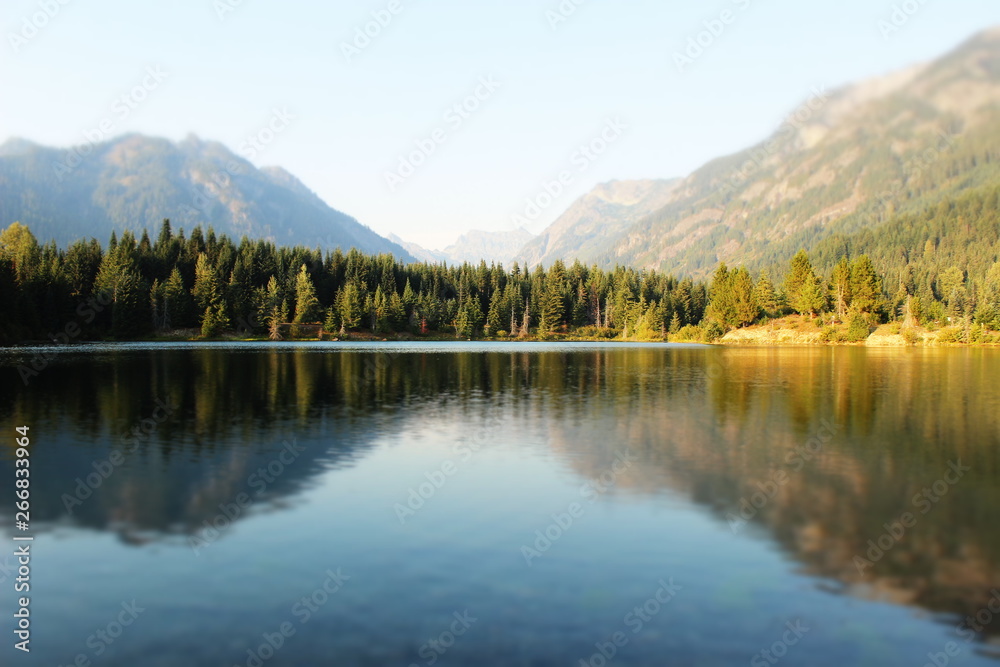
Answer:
x=506 y=505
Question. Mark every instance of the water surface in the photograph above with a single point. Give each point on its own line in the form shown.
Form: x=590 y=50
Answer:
x=491 y=504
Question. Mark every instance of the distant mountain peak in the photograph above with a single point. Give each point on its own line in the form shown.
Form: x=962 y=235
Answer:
x=135 y=181
x=492 y=247
x=17 y=146
x=589 y=226
x=988 y=37
x=843 y=161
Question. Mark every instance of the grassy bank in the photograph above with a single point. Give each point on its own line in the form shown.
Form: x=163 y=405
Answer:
x=799 y=330
x=791 y=331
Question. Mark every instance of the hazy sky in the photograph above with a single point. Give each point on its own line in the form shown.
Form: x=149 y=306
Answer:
x=608 y=69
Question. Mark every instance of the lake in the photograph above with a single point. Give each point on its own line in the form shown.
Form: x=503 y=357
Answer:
x=506 y=504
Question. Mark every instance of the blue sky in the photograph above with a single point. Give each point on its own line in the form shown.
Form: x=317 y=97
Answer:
x=227 y=65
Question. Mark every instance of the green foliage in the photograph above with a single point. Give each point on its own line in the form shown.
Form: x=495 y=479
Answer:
x=687 y=334
x=272 y=308
x=349 y=306
x=745 y=305
x=175 y=301
x=468 y=318
x=118 y=280
x=803 y=287
x=208 y=281
x=841 y=287
x=551 y=301
x=832 y=334
x=712 y=332
x=307 y=306
x=330 y=322
x=214 y=320
x=950 y=335
x=733 y=301
x=764 y=295
x=857 y=329
x=987 y=311
x=18 y=246
x=865 y=293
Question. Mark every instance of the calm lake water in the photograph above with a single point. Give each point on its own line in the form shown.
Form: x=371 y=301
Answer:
x=491 y=504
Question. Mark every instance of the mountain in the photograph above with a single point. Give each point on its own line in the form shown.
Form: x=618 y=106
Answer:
x=595 y=219
x=845 y=161
x=473 y=247
x=499 y=247
x=134 y=182
x=421 y=253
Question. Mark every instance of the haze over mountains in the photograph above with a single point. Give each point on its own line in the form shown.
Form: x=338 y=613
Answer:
x=473 y=247
x=134 y=182
x=596 y=220
x=845 y=161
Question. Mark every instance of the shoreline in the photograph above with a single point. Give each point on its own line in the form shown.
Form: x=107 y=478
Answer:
x=803 y=332
x=789 y=331
x=734 y=339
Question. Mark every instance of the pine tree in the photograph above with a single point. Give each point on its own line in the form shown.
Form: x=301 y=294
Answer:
x=119 y=282
x=551 y=305
x=988 y=308
x=684 y=300
x=842 y=287
x=238 y=289
x=494 y=318
x=722 y=299
x=379 y=311
x=409 y=298
x=206 y=283
x=764 y=296
x=811 y=298
x=176 y=301
x=803 y=287
x=330 y=321
x=19 y=246
x=581 y=301
x=307 y=306
x=272 y=308
x=951 y=290
x=866 y=286
x=468 y=318
x=166 y=234
x=397 y=313
x=157 y=306
x=349 y=306
x=214 y=320
x=745 y=308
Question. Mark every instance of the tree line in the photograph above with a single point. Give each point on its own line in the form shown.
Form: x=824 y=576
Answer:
x=931 y=268
x=855 y=293
x=135 y=288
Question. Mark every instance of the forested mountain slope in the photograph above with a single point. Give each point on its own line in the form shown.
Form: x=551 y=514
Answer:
x=845 y=161
x=133 y=182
